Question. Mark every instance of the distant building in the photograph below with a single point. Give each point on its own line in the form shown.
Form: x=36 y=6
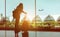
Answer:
x=58 y=20
x=36 y=21
x=49 y=21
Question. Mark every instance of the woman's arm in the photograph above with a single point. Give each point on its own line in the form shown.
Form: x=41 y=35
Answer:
x=24 y=12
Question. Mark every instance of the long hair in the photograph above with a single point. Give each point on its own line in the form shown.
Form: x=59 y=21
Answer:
x=20 y=7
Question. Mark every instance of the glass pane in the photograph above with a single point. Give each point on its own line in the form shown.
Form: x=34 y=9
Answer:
x=48 y=14
x=26 y=17
x=2 y=16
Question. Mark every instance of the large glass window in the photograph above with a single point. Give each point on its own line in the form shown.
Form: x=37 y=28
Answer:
x=48 y=11
x=28 y=7
x=36 y=15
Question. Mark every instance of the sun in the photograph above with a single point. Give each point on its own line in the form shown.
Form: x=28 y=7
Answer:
x=28 y=16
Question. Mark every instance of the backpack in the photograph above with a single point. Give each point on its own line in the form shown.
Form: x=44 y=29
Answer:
x=14 y=14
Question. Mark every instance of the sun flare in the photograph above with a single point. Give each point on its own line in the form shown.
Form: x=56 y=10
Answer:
x=28 y=16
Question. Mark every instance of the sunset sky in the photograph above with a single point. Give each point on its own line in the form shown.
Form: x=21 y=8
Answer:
x=50 y=7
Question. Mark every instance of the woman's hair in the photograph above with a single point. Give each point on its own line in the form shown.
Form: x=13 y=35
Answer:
x=20 y=6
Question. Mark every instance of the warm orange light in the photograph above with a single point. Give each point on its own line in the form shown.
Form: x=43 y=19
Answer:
x=28 y=16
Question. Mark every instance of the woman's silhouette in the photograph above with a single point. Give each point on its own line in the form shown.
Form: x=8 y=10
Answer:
x=16 y=15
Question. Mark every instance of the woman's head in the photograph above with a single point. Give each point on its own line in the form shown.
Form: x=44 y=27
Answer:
x=20 y=7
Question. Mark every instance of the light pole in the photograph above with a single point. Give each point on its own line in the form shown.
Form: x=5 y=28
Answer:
x=5 y=18
x=35 y=20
